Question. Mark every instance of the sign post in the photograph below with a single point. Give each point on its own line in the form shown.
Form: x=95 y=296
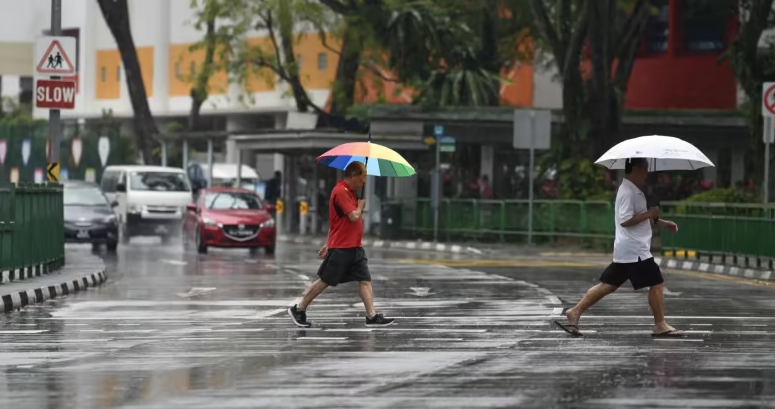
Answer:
x=436 y=185
x=532 y=130
x=768 y=134
x=54 y=57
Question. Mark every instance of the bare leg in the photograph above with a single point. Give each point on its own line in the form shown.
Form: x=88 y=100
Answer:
x=312 y=292
x=657 y=303
x=367 y=295
x=592 y=296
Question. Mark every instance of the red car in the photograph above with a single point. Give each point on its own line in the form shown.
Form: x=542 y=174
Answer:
x=229 y=217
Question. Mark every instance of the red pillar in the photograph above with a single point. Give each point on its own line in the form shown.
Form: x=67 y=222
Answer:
x=675 y=35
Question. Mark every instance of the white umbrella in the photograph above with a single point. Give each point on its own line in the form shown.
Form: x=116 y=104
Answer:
x=663 y=152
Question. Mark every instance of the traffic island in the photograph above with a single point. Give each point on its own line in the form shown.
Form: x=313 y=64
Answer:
x=32 y=248
x=82 y=271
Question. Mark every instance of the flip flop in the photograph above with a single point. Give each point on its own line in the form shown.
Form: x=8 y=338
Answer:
x=669 y=334
x=569 y=328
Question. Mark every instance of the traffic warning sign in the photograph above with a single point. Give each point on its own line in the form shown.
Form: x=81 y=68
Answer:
x=55 y=56
x=52 y=172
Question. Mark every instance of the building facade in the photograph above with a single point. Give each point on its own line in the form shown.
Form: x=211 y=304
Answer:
x=677 y=66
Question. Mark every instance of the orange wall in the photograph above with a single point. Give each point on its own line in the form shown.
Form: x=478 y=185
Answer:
x=145 y=56
x=181 y=59
x=109 y=63
x=310 y=48
x=107 y=85
x=262 y=80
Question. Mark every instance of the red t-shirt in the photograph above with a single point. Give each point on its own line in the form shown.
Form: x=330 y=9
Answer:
x=342 y=233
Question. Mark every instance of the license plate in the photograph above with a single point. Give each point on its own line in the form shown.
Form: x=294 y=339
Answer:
x=83 y=234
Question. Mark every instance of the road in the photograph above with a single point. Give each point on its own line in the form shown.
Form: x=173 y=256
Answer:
x=177 y=330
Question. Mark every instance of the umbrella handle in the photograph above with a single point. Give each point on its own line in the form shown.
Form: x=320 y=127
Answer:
x=363 y=189
x=366 y=165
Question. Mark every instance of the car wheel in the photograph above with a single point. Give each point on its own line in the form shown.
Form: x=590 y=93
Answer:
x=112 y=246
x=269 y=249
x=201 y=248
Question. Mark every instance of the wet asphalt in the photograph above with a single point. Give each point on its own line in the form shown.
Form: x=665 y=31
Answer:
x=172 y=329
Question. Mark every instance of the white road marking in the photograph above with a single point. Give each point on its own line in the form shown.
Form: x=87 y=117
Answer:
x=24 y=332
x=175 y=262
x=321 y=338
x=678 y=339
x=438 y=339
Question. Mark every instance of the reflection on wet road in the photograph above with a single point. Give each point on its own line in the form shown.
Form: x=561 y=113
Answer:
x=173 y=330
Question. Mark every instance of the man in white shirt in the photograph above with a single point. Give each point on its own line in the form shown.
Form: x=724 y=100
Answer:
x=632 y=259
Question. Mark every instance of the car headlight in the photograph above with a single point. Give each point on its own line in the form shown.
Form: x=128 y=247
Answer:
x=210 y=222
x=109 y=220
x=133 y=208
x=268 y=223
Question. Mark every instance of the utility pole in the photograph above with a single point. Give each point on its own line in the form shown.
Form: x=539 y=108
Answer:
x=54 y=115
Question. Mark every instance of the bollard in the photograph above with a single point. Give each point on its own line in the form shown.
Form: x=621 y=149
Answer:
x=278 y=219
x=303 y=211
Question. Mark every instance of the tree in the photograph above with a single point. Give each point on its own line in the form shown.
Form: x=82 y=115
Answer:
x=116 y=14
x=493 y=36
x=215 y=39
x=609 y=33
x=428 y=45
x=751 y=64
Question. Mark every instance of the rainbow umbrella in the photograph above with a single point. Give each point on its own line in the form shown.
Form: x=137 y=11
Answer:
x=379 y=160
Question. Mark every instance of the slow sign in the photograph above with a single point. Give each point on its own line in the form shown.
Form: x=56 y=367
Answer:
x=51 y=94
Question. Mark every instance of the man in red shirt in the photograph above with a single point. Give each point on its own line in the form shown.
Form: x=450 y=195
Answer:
x=343 y=257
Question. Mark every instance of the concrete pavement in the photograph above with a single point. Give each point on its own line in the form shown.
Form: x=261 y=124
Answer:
x=179 y=330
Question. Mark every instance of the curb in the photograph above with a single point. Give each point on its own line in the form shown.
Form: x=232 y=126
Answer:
x=720 y=269
x=382 y=244
x=28 y=272
x=663 y=262
x=20 y=299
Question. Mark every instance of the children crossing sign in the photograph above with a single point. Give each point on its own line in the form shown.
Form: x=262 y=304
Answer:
x=55 y=56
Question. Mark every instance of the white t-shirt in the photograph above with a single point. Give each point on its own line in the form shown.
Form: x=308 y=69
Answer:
x=634 y=241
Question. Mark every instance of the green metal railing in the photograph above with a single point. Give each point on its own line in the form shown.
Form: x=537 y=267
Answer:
x=31 y=226
x=746 y=230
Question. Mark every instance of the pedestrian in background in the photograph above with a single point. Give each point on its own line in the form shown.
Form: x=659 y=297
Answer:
x=344 y=259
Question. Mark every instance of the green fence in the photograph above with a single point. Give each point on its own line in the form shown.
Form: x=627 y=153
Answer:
x=31 y=227
x=739 y=229
x=507 y=220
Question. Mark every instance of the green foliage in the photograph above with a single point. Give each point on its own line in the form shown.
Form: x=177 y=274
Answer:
x=606 y=196
x=14 y=114
x=722 y=195
x=443 y=48
x=580 y=179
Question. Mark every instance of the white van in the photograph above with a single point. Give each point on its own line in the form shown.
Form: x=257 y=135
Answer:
x=224 y=174
x=151 y=200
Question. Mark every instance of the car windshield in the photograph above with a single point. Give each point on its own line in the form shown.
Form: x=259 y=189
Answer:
x=159 y=181
x=84 y=196
x=232 y=201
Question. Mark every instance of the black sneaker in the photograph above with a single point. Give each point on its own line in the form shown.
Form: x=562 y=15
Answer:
x=299 y=317
x=379 y=320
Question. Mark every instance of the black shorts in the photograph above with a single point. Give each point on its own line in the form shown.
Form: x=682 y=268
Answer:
x=642 y=274
x=344 y=265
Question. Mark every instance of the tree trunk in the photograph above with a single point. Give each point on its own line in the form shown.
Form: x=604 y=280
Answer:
x=343 y=89
x=489 y=54
x=116 y=14
x=200 y=92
